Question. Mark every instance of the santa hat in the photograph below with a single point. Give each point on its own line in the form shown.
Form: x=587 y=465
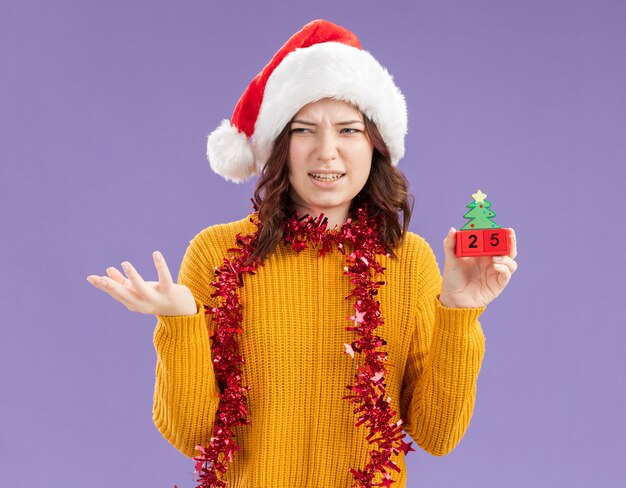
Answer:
x=319 y=61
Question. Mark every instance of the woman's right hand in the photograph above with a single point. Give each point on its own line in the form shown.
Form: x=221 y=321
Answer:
x=163 y=297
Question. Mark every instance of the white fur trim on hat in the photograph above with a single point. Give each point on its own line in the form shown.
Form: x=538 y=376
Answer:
x=230 y=153
x=333 y=70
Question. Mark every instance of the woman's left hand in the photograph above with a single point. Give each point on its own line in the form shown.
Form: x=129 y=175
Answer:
x=475 y=281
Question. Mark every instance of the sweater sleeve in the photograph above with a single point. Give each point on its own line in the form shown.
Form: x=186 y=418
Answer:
x=186 y=394
x=446 y=352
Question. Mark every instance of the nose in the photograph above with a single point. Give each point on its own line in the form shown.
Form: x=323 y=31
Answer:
x=327 y=147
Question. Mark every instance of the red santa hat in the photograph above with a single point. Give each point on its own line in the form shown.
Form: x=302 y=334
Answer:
x=322 y=60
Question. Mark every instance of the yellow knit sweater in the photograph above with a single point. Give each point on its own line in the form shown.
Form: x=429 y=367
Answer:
x=302 y=434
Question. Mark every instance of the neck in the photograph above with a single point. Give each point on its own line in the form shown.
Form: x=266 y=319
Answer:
x=336 y=216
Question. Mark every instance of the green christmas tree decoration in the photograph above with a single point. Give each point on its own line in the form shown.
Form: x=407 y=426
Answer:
x=479 y=214
x=481 y=236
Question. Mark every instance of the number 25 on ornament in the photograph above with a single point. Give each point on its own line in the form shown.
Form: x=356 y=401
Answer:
x=481 y=236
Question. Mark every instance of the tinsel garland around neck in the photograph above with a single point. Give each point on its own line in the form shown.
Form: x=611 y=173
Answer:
x=368 y=393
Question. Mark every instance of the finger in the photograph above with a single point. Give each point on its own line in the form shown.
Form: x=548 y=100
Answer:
x=115 y=275
x=449 y=243
x=513 y=243
x=135 y=278
x=101 y=282
x=508 y=261
x=94 y=280
x=504 y=275
x=165 y=276
x=123 y=294
x=106 y=284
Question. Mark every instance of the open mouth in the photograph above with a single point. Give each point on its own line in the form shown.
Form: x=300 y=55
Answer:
x=327 y=176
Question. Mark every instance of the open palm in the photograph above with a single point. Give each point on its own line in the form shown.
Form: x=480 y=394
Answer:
x=163 y=297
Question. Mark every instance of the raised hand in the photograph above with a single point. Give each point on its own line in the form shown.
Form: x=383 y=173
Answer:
x=473 y=282
x=163 y=297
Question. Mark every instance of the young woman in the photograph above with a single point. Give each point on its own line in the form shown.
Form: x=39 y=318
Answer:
x=303 y=339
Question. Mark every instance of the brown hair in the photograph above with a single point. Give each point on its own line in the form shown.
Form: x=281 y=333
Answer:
x=385 y=193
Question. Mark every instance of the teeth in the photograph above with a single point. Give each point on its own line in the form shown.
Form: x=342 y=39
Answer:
x=326 y=177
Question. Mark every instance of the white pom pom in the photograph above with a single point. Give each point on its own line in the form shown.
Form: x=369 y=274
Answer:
x=230 y=153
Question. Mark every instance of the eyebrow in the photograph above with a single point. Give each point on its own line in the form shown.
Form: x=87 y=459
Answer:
x=347 y=122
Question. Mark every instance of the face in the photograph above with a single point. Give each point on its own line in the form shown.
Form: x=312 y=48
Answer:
x=330 y=158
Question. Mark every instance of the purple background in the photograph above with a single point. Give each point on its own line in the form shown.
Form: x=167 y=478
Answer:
x=104 y=112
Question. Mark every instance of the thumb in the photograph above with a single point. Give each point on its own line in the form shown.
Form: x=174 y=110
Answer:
x=449 y=243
